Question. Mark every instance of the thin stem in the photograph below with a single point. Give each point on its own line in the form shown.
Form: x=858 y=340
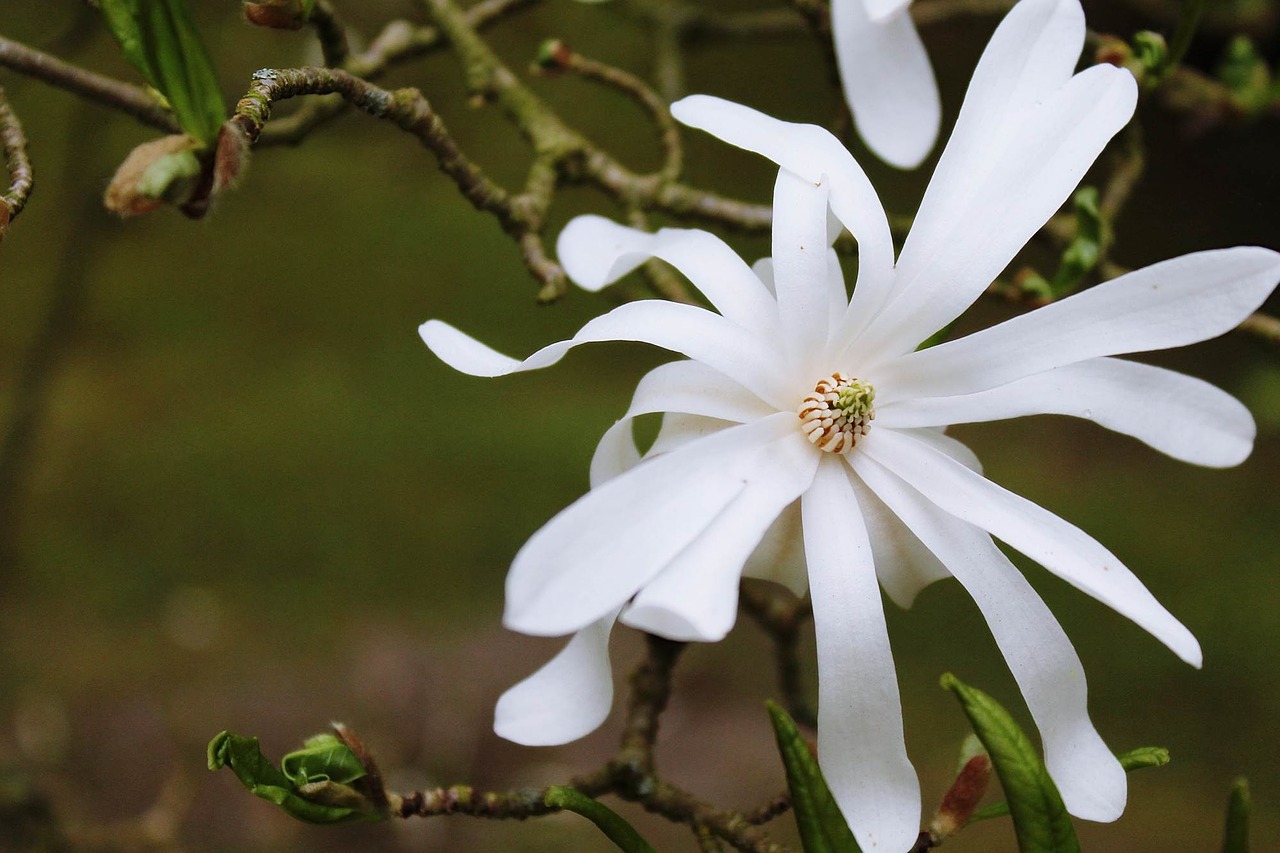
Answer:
x=131 y=100
x=18 y=165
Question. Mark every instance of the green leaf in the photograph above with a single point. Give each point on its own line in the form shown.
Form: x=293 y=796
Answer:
x=313 y=791
x=160 y=39
x=1134 y=759
x=1040 y=820
x=1143 y=756
x=822 y=827
x=171 y=177
x=323 y=758
x=606 y=820
x=1085 y=249
x=1236 y=837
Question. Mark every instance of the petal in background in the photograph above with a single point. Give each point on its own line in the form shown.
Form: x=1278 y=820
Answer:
x=1170 y=304
x=567 y=698
x=887 y=79
x=1185 y=417
x=860 y=743
x=1059 y=546
x=1038 y=652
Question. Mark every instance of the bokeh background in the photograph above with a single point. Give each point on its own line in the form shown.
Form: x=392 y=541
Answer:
x=238 y=493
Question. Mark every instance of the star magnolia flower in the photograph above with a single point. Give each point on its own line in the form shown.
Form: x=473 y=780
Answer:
x=805 y=416
x=887 y=79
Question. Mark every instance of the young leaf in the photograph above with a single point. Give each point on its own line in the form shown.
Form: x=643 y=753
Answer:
x=822 y=827
x=1236 y=837
x=1040 y=820
x=160 y=39
x=1144 y=756
x=606 y=820
x=311 y=795
x=1134 y=759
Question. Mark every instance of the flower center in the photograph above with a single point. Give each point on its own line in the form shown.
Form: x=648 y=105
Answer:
x=838 y=412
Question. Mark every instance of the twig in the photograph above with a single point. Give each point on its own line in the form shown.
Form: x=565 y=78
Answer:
x=782 y=619
x=131 y=100
x=17 y=164
x=331 y=30
x=558 y=56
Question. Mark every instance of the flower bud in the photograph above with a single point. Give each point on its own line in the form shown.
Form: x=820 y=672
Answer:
x=276 y=14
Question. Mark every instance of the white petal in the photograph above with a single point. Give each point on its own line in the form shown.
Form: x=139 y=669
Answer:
x=1039 y=654
x=780 y=555
x=1060 y=547
x=1173 y=303
x=887 y=78
x=693 y=388
x=904 y=565
x=596 y=251
x=1032 y=53
x=1050 y=151
x=837 y=294
x=1187 y=418
x=565 y=700
x=800 y=274
x=810 y=152
x=700 y=334
x=679 y=429
x=957 y=450
x=881 y=9
x=696 y=596
x=608 y=544
x=615 y=454
x=860 y=742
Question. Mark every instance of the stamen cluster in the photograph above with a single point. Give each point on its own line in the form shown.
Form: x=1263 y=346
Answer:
x=838 y=412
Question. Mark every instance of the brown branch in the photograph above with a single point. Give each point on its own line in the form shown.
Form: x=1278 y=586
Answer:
x=331 y=30
x=110 y=92
x=465 y=800
x=650 y=689
x=782 y=616
x=558 y=56
x=18 y=165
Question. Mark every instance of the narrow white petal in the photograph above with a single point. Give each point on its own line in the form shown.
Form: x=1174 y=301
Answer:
x=565 y=700
x=1039 y=654
x=1059 y=546
x=696 y=596
x=887 y=79
x=881 y=9
x=596 y=252
x=780 y=555
x=837 y=294
x=1185 y=417
x=1032 y=53
x=700 y=334
x=615 y=454
x=608 y=544
x=800 y=273
x=957 y=450
x=1050 y=151
x=693 y=388
x=860 y=743
x=904 y=566
x=1173 y=303
x=679 y=429
x=810 y=152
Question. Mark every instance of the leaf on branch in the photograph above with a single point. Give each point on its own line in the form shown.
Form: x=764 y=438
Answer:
x=823 y=828
x=1134 y=759
x=160 y=39
x=1236 y=836
x=1040 y=820
x=313 y=784
x=606 y=820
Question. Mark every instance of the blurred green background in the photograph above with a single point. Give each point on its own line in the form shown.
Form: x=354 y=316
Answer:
x=252 y=500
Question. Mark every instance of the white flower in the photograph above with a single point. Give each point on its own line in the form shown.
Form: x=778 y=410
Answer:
x=878 y=496
x=887 y=79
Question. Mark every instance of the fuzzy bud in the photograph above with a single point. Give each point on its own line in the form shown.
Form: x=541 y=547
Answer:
x=162 y=170
x=276 y=14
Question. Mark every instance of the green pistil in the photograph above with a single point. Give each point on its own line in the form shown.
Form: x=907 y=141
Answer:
x=854 y=399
